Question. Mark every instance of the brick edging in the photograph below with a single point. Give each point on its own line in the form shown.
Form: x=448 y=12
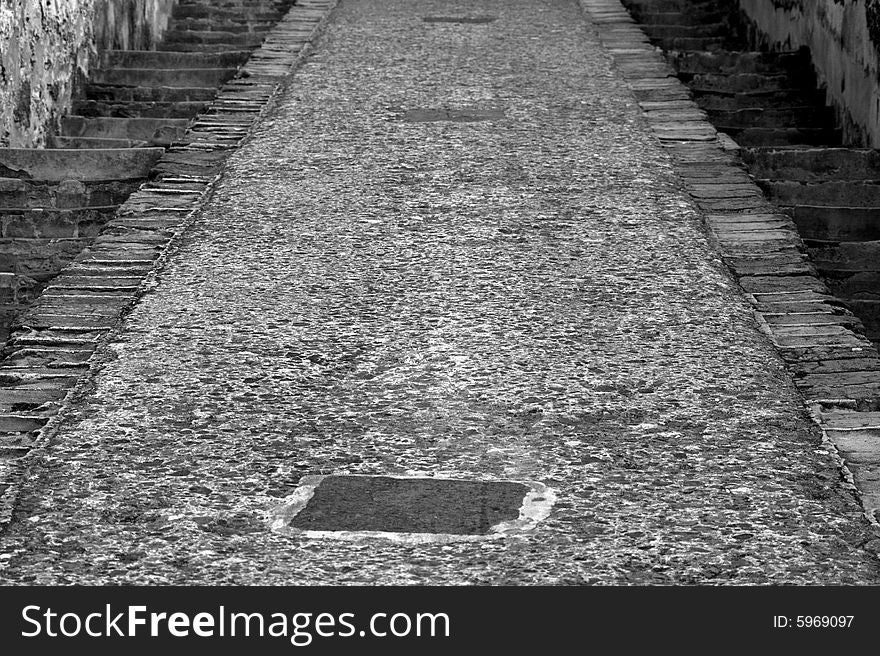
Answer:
x=49 y=356
x=836 y=369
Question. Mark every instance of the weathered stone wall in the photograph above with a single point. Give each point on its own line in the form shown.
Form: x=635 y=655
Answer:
x=844 y=38
x=46 y=45
x=131 y=24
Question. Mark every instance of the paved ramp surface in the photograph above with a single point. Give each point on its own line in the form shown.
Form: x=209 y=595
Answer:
x=519 y=291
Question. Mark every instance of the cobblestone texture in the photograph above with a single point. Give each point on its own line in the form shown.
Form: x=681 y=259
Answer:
x=824 y=345
x=52 y=341
x=529 y=297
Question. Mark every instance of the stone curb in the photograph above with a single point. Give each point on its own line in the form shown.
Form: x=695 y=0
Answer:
x=836 y=369
x=48 y=358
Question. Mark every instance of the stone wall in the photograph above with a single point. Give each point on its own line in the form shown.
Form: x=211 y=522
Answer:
x=844 y=39
x=46 y=46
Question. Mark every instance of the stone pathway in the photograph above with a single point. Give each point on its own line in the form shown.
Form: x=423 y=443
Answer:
x=520 y=291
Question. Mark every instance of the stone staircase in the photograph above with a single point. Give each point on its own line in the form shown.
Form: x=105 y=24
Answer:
x=134 y=106
x=771 y=105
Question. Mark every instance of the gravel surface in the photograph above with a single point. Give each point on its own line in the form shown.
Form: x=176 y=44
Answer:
x=529 y=296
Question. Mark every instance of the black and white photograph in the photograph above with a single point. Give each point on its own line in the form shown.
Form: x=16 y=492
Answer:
x=421 y=325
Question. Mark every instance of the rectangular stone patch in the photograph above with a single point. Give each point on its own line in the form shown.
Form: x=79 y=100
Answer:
x=472 y=20
x=454 y=115
x=409 y=505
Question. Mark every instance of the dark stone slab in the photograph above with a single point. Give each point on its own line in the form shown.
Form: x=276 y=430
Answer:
x=88 y=164
x=413 y=505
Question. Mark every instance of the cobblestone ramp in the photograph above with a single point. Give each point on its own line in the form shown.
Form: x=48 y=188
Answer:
x=453 y=249
x=75 y=235
x=794 y=212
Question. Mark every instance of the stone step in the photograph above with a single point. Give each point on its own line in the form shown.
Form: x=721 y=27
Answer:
x=161 y=77
x=198 y=37
x=69 y=194
x=14 y=399
x=154 y=131
x=647 y=18
x=174 y=46
x=238 y=4
x=729 y=62
x=858 y=291
x=221 y=11
x=833 y=193
x=49 y=223
x=676 y=5
x=813 y=164
x=785 y=99
x=793 y=117
x=39 y=259
x=235 y=25
x=55 y=165
x=700 y=30
x=186 y=161
x=836 y=223
x=692 y=43
x=117 y=94
x=43 y=357
x=861 y=387
x=99 y=108
x=45 y=321
x=847 y=257
x=95 y=142
x=860 y=285
x=216 y=12
x=869 y=312
x=864 y=362
x=172 y=60
x=748 y=83
x=754 y=137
